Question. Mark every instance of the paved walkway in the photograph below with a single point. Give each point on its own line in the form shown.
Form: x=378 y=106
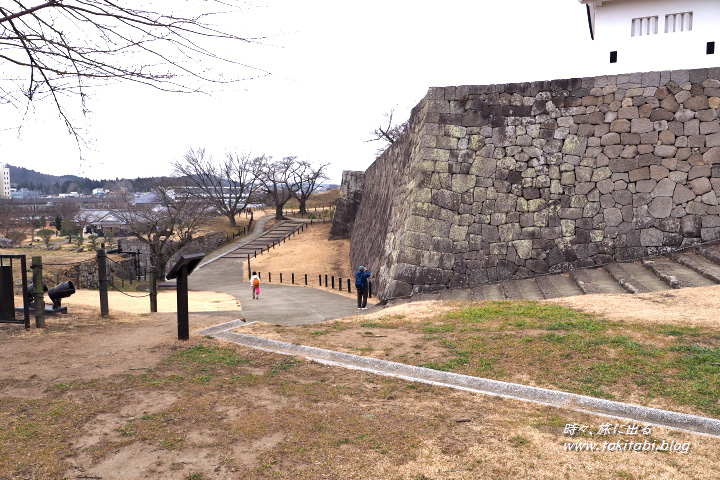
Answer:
x=278 y=304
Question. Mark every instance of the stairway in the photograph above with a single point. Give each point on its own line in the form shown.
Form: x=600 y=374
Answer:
x=697 y=267
x=267 y=240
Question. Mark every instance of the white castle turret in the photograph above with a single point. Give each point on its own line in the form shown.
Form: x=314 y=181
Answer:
x=652 y=35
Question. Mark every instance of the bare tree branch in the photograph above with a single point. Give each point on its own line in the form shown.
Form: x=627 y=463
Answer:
x=165 y=225
x=275 y=178
x=226 y=186
x=304 y=180
x=61 y=48
x=389 y=133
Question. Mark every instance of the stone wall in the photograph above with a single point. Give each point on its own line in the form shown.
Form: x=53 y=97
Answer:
x=506 y=181
x=205 y=243
x=347 y=205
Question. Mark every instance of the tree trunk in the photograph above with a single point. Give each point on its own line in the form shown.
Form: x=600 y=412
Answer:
x=279 y=212
x=231 y=217
x=302 y=208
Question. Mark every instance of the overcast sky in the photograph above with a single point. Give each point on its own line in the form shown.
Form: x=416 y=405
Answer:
x=335 y=68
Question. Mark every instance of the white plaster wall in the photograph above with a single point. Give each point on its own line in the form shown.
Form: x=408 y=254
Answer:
x=664 y=51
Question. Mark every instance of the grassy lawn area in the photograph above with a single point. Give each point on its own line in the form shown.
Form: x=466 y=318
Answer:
x=546 y=345
x=120 y=398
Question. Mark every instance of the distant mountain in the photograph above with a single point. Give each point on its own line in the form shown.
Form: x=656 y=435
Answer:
x=22 y=175
x=54 y=184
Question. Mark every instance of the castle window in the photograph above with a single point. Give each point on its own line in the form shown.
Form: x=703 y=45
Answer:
x=678 y=22
x=644 y=26
x=710 y=49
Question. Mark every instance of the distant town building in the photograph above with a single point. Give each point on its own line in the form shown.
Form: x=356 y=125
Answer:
x=652 y=35
x=97 y=192
x=5 y=192
x=23 y=193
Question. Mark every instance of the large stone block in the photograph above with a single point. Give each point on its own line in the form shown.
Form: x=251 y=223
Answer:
x=660 y=207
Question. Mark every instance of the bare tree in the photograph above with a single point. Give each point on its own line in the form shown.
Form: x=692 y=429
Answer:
x=82 y=219
x=275 y=178
x=388 y=134
x=60 y=48
x=225 y=186
x=304 y=179
x=66 y=210
x=9 y=217
x=166 y=225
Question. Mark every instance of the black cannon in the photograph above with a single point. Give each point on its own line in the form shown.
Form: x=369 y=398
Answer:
x=58 y=292
x=30 y=298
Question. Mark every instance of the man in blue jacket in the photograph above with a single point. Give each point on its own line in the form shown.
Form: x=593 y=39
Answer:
x=361 y=284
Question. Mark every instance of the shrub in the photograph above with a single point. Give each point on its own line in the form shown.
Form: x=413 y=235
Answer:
x=17 y=237
x=45 y=234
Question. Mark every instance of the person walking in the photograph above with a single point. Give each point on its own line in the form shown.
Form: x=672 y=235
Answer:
x=361 y=284
x=255 y=284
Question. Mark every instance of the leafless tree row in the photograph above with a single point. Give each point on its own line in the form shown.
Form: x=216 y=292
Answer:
x=230 y=184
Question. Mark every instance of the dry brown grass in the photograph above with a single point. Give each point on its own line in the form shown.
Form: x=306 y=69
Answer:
x=696 y=307
x=309 y=252
x=319 y=200
x=125 y=400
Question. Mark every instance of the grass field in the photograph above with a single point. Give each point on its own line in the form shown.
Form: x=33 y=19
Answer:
x=541 y=344
x=203 y=409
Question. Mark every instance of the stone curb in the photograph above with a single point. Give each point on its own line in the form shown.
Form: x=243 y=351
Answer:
x=665 y=418
x=223 y=327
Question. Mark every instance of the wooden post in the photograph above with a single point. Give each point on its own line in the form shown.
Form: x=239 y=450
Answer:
x=340 y=283
x=269 y=278
x=320 y=280
x=182 y=304
x=293 y=279
x=325 y=281
x=348 y=285
x=370 y=289
x=280 y=277
x=153 y=289
x=306 y=279
x=103 y=283
x=23 y=279
x=249 y=271
x=38 y=293
x=332 y=279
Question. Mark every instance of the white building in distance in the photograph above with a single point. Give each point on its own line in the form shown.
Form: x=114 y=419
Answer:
x=5 y=171
x=652 y=35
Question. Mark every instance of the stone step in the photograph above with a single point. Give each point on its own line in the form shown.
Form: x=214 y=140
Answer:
x=636 y=278
x=676 y=275
x=596 y=280
x=700 y=264
x=711 y=253
x=558 y=285
x=456 y=294
x=488 y=292
x=425 y=297
x=525 y=289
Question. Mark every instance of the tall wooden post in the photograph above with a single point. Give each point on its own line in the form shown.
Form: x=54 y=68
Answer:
x=182 y=304
x=249 y=273
x=38 y=293
x=103 y=282
x=153 y=289
x=23 y=279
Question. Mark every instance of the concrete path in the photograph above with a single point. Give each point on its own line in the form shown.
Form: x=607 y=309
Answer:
x=598 y=406
x=278 y=304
